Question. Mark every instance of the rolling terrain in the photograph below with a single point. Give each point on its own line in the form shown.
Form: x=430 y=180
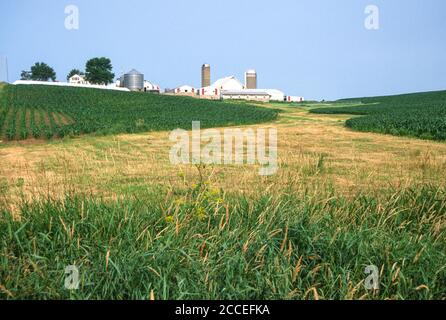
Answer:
x=139 y=227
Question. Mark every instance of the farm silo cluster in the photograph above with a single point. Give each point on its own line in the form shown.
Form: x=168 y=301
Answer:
x=228 y=88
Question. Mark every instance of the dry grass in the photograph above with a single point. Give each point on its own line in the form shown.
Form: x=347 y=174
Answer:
x=291 y=237
x=315 y=152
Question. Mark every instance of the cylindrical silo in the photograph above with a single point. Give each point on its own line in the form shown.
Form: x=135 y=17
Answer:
x=134 y=80
x=205 y=75
x=251 y=79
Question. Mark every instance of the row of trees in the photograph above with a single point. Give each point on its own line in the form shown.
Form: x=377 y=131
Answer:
x=97 y=71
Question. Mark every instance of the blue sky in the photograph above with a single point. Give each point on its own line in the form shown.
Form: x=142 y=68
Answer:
x=316 y=48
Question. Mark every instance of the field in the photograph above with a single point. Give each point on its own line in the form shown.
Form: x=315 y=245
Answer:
x=421 y=115
x=55 y=112
x=139 y=227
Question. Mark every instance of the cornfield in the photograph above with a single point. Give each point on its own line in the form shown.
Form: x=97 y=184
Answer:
x=56 y=112
x=421 y=115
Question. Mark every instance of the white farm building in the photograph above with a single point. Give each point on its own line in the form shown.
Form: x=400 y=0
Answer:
x=294 y=99
x=225 y=84
x=77 y=79
x=276 y=95
x=232 y=88
x=249 y=95
x=151 y=87
x=263 y=95
x=186 y=89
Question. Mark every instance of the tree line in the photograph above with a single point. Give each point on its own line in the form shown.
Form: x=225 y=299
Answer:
x=97 y=71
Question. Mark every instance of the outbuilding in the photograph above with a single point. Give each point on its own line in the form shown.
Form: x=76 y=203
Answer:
x=294 y=99
x=185 y=90
x=151 y=87
x=249 y=95
x=276 y=95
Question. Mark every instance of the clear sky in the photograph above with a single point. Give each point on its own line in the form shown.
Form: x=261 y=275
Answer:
x=319 y=49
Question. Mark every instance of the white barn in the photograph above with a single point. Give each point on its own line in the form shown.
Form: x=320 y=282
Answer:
x=151 y=87
x=186 y=89
x=231 y=88
x=225 y=84
x=276 y=95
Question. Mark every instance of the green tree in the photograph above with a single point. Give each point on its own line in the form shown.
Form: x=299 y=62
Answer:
x=99 y=71
x=73 y=72
x=25 y=75
x=42 y=72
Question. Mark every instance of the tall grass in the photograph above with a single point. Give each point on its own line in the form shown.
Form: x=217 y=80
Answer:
x=199 y=243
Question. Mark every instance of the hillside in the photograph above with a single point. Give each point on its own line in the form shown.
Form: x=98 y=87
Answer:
x=421 y=115
x=47 y=112
x=138 y=226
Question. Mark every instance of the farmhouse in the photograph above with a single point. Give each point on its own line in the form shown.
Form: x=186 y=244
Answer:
x=77 y=79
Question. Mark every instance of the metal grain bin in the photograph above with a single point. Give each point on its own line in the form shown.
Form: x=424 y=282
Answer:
x=134 y=80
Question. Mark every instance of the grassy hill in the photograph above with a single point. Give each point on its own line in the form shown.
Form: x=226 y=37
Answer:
x=421 y=115
x=47 y=112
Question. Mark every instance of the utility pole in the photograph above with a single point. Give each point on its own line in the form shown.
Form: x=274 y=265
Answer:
x=4 y=76
x=7 y=71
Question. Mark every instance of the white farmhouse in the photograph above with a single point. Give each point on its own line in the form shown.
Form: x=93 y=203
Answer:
x=77 y=79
